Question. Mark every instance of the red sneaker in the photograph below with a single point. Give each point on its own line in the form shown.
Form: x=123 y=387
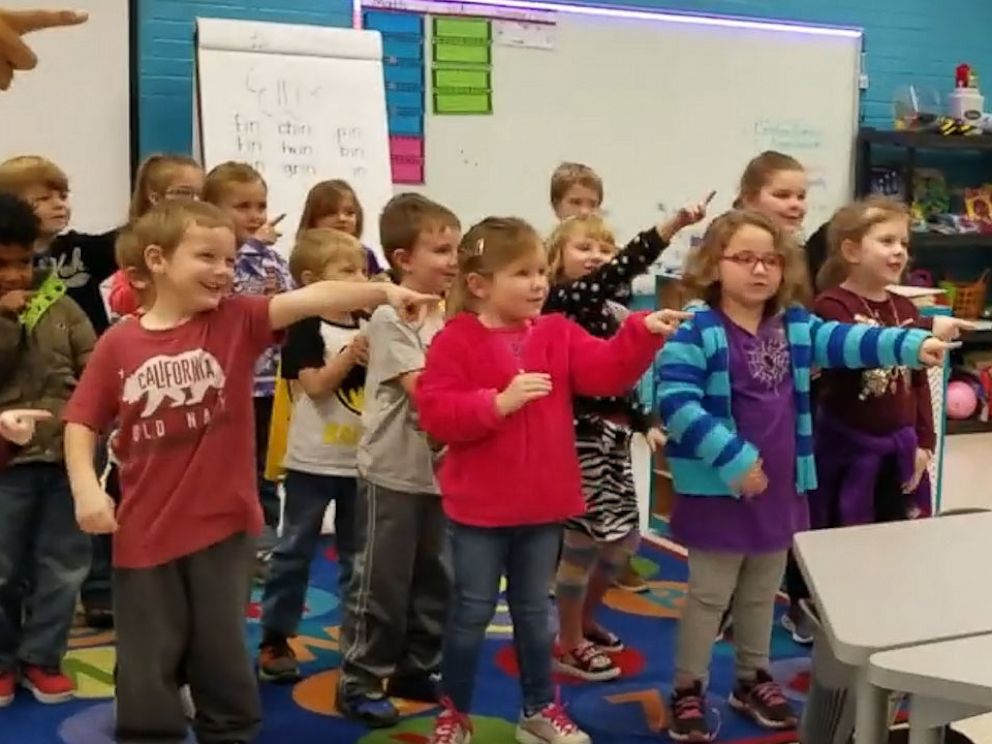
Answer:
x=47 y=684
x=8 y=681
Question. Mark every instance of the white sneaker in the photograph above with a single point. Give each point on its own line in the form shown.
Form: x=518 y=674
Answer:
x=186 y=700
x=550 y=726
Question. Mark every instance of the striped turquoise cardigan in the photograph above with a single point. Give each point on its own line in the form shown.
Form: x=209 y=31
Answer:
x=692 y=379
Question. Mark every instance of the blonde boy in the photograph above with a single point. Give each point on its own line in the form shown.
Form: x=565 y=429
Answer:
x=178 y=380
x=324 y=361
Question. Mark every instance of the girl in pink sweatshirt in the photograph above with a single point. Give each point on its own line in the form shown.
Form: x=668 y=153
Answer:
x=497 y=390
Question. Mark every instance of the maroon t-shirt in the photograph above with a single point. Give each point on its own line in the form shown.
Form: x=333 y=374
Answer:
x=182 y=399
x=877 y=401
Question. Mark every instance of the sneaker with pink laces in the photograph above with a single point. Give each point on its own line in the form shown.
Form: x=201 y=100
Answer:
x=8 y=681
x=550 y=725
x=451 y=727
x=762 y=700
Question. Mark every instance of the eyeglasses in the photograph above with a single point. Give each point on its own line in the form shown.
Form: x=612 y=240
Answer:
x=750 y=260
x=182 y=193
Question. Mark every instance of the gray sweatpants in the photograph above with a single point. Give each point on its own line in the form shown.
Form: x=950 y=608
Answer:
x=184 y=622
x=714 y=578
x=395 y=613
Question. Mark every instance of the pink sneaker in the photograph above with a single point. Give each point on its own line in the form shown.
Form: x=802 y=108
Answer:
x=451 y=727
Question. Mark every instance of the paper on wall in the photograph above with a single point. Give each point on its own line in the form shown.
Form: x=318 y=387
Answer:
x=524 y=34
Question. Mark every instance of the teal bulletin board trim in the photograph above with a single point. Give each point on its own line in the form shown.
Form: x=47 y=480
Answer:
x=929 y=312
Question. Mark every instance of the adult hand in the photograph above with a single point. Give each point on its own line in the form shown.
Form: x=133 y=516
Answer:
x=15 y=54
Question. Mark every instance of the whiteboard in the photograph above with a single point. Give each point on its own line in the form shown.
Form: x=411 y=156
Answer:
x=663 y=111
x=302 y=104
x=74 y=108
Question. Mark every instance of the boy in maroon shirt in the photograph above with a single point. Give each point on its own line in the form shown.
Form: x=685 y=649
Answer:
x=178 y=382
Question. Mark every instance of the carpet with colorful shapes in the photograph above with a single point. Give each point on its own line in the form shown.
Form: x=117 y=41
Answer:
x=630 y=708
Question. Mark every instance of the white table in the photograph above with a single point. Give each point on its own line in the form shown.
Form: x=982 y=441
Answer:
x=947 y=681
x=895 y=585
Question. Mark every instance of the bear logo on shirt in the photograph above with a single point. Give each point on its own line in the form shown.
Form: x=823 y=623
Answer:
x=180 y=380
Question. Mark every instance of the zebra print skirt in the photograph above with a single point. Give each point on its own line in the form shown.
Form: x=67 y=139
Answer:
x=607 y=483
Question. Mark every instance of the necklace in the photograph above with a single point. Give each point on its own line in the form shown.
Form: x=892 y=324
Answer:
x=874 y=314
x=879 y=382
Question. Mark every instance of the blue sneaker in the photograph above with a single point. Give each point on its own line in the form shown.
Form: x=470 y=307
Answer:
x=373 y=709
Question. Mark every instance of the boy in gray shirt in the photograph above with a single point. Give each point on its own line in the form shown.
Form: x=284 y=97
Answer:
x=395 y=609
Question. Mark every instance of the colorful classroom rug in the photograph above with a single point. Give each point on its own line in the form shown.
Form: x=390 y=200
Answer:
x=627 y=710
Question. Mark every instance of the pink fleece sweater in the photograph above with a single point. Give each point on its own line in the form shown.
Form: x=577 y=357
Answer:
x=520 y=469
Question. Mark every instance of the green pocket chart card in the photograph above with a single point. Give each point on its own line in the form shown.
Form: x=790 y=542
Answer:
x=462 y=65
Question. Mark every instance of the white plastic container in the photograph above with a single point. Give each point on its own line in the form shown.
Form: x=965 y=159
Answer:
x=967 y=104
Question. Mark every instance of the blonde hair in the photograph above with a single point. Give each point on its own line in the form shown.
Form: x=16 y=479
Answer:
x=407 y=215
x=591 y=227
x=20 y=173
x=702 y=270
x=220 y=177
x=164 y=225
x=325 y=198
x=852 y=223
x=154 y=177
x=488 y=246
x=316 y=249
x=568 y=175
x=759 y=171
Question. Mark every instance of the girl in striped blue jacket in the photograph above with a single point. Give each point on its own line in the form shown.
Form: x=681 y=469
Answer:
x=733 y=390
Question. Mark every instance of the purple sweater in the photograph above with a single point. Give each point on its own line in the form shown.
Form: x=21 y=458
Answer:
x=764 y=412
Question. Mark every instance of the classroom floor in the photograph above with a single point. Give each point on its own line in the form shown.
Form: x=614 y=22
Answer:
x=964 y=466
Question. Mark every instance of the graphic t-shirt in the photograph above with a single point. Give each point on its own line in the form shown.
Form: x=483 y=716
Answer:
x=394 y=453
x=182 y=400
x=323 y=434
x=83 y=262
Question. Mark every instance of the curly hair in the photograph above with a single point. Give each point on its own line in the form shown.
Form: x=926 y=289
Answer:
x=18 y=223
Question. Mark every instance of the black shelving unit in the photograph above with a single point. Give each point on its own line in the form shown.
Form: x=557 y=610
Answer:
x=910 y=143
x=932 y=244
x=935 y=240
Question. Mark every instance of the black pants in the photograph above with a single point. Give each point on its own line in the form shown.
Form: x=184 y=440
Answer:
x=267 y=492
x=184 y=621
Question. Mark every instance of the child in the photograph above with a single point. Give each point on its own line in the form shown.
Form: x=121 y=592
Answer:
x=497 y=390
x=576 y=191
x=740 y=446
x=399 y=592
x=334 y=204
x=159 y=177
x=240 y=192
x=179 y=379
x=82 y=261
x=775 y=184
x=586 y=269
x=874 y=428
x=45 y=340
x=324 y=358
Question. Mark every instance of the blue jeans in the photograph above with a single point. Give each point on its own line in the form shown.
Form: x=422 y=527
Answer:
x=481 y=556
x=307 y=499
x=44 y=557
